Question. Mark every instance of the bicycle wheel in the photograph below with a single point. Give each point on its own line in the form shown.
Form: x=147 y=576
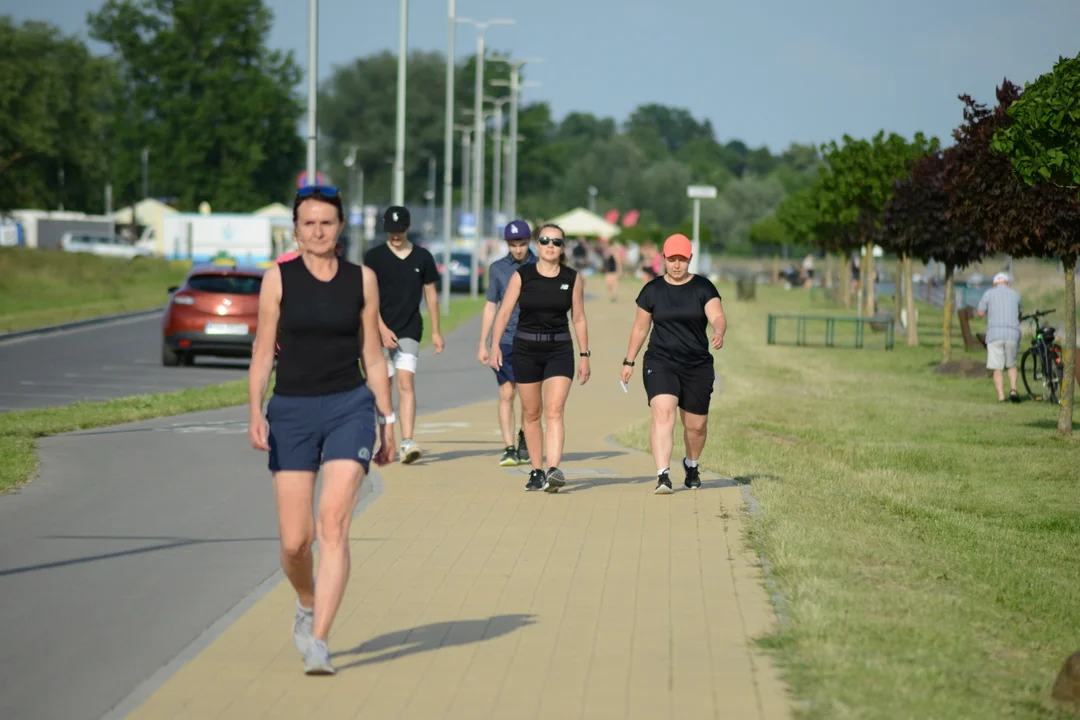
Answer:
x=1055 y=375
x=1031 y=373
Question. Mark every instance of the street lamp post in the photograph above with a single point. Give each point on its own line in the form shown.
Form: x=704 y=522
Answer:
x=399 y=152
x=448 y=154
x=313 y=86
x=145 y=172
x=515 y=86
x=430 y=196
x=478 y=149
x=496 y=179
x=356 y=252
x=466 y=168
x=592 y=198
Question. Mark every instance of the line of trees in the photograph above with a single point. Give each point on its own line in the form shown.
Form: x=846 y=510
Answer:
x=1009 y=184
x=195 y=86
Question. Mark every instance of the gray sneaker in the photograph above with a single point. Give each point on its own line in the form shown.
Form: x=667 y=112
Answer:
x=410 y=452
x=554 y=480
x=301 y=628
x=317 y=659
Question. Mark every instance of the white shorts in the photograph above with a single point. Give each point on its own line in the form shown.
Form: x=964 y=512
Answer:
x=1001 y=354
x=404 y=357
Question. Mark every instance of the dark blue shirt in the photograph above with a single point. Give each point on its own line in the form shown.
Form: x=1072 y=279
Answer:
x=499 y=275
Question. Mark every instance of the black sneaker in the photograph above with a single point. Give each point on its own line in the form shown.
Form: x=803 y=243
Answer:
x=554 y=480
x=522 y=449
x=536 y=480
x=663 y=484
x=509 y=457
x=693 y=476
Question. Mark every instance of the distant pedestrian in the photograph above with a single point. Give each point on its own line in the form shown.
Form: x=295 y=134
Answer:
x=1002 y=308
x=407 y=274
x=679 y=373
x=612 y=268
x=323 y=412
x=517 y=234
x=543 y=349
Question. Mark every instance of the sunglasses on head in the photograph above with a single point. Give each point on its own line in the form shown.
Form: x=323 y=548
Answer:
x=325 y=190
x=557 y=242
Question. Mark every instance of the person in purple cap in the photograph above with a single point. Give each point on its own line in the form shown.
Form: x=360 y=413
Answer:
x=517 y=234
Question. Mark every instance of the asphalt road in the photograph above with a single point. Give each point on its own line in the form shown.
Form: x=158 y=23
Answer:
x=98 y=363
x=137 y=539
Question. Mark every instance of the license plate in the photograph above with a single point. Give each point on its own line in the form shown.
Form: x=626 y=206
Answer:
x=226 y=329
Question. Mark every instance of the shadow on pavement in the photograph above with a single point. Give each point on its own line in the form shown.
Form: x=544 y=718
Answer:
x=573 y=486
x=426 y=638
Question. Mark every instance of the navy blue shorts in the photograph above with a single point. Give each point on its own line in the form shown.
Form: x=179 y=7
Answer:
x=307 y=431
x=505 y=374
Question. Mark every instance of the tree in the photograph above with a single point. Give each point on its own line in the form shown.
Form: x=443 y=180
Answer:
x=861 y=180
x=917 y=224
x=1042 y=143
x=55 y=104
x=217 y=108
x=768 y=232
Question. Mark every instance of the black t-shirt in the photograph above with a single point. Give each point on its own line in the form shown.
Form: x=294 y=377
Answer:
x=544 y=302
x=679 y=324
x=319 y=330
x=401 y=287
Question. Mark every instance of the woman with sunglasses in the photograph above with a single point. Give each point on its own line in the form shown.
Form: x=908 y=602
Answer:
x=323 y=412
x=679 y=372
x=544 y=292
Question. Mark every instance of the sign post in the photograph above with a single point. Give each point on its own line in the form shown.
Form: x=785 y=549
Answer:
x=697 y=193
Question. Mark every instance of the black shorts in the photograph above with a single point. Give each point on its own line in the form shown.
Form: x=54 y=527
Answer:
x=537 y=361
x=692 y=386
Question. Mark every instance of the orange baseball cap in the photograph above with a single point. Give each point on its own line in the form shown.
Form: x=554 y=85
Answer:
x=678 y=244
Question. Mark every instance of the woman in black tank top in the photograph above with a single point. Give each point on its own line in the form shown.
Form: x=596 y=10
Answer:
x=612 y=269
x=543 y=348
x=325 y=313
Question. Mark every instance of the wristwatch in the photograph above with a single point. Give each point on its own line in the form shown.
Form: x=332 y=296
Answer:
x=628 y=363
x=388 y=419
x=587 y=353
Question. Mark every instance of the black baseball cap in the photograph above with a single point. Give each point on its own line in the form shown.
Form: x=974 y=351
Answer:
x=396 y=219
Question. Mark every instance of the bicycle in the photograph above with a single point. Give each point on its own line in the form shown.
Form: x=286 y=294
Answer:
x=1042 y=361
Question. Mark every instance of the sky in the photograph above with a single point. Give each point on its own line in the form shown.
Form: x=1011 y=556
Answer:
x=767 y=72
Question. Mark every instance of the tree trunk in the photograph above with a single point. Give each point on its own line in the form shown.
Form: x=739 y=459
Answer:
x=776 y=269
x=909 y=301
x=898 y=287
x=1068 y=350
x=946 y=323
x=845 y=282
x=828 y=271
x=867 y=276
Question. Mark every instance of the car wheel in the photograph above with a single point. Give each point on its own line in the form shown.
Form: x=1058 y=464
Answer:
x=169 y=357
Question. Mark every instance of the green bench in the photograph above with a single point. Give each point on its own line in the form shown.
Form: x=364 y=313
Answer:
x=802 y=322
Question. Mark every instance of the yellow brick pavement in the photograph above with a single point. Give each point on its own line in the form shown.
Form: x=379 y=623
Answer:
x=470 y=598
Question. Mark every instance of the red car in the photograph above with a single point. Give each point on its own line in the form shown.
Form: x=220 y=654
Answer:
x=214 y=312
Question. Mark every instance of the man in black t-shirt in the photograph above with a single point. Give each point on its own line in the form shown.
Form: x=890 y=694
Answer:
x=678 y=364
x=406 y=274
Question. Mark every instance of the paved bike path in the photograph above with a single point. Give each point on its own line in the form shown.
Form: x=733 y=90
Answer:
x=470 y=598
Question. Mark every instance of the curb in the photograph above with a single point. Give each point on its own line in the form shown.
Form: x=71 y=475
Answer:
x=77 y=324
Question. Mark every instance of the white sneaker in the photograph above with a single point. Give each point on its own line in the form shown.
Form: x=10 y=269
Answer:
x=301 y=629
x=317 y=659
x=410 y=452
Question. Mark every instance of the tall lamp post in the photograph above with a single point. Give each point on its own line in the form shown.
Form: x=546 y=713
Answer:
x=313 y=87
x=478 y=144
x=448 y=153
x=515 y=86
x=496 y=177
x=398 y=191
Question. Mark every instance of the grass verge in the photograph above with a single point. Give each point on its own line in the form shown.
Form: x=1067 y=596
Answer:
x=45 y=287
x=20 y=429
x=923 y=535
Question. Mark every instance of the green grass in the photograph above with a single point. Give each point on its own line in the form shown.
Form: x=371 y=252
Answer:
x=20 y=429
x=924 y=536
x=45 y=287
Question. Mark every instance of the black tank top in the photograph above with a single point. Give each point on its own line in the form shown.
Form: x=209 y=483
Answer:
x=545 y=302
x=609 y=264
x=319 y=330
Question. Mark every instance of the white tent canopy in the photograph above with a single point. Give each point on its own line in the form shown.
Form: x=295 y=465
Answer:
x=580 y=222
x=147 y=211
x=275 y=210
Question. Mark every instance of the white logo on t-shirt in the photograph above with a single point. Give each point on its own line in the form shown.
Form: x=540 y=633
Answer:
x=564 y=287
x=416 y=269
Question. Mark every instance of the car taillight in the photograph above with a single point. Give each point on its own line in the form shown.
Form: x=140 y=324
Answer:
x=183 y=300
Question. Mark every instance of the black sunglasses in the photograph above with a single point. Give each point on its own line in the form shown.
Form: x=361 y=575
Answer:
x=557 y=242
x=325 y=190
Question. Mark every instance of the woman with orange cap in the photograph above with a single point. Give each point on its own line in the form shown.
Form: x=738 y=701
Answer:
x=680 y=307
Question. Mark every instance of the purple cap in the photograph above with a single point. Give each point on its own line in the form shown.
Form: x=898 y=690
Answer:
x=517 y=230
